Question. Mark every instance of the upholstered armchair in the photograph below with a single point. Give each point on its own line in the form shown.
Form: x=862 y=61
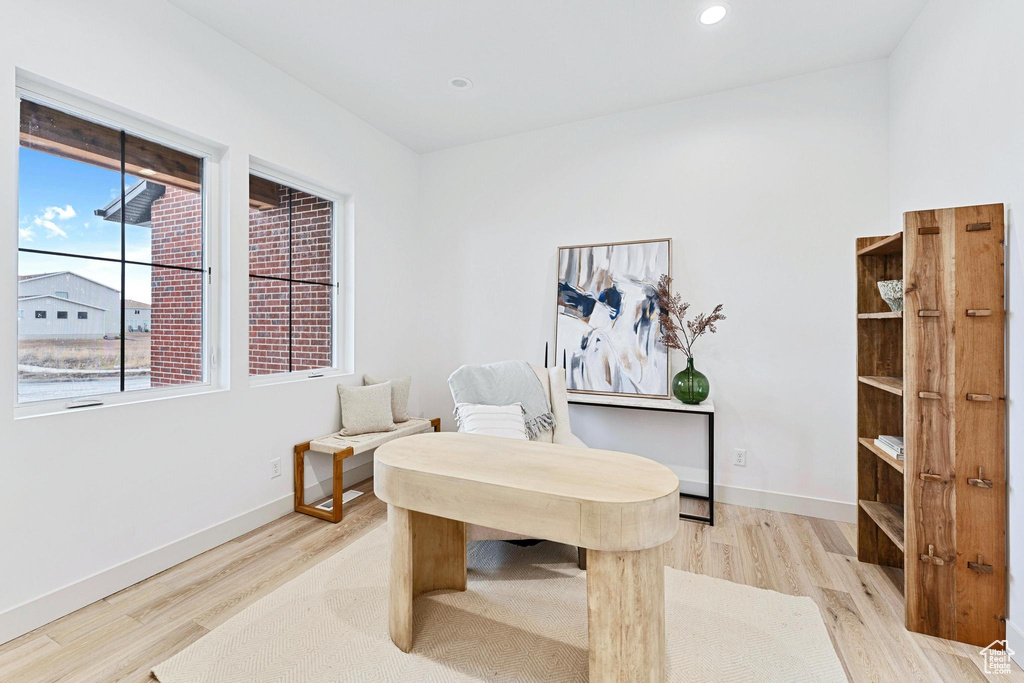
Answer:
x=553 y=381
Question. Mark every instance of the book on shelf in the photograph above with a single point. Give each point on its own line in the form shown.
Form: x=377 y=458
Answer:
x=898 y=454
x=894 y=441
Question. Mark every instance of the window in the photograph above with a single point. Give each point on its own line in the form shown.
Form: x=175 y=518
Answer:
x=291 y=279
x=106 y=216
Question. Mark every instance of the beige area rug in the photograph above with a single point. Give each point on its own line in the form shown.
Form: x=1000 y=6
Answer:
x=523 y=618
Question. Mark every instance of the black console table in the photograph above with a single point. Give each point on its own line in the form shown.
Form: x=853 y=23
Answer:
x=667 y=406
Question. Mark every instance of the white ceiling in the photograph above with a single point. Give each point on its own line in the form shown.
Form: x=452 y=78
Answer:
x=538 y=63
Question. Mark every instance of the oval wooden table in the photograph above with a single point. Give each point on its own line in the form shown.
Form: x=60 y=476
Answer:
x=622 y=508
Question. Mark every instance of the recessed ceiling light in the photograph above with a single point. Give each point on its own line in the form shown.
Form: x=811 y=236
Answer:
x=460 y=83
x=713 y=14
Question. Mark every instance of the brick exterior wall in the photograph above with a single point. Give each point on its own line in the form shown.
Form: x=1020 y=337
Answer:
x=176 y=328
x=269 y=299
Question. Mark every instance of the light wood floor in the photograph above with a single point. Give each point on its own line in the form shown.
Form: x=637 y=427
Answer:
x=123 y=636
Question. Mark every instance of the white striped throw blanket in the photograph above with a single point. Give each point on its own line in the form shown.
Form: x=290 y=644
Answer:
x=502 y=384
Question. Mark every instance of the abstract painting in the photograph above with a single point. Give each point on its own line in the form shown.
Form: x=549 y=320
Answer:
x=606 y=322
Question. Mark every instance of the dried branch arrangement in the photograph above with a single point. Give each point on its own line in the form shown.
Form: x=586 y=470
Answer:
x=674 y=325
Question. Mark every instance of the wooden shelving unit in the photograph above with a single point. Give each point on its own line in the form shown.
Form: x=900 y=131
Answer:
x=880 y=316
x=870 y=445
x=939 y=514
x=879 y=401
x=894 y=385
x=888 y=517
x=882 y=246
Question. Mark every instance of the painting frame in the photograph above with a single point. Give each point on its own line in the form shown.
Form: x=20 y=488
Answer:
x=668 y=356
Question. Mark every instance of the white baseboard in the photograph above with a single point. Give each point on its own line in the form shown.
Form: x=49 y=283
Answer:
x=37 y=612
x=771 y=500
x=1015 y=642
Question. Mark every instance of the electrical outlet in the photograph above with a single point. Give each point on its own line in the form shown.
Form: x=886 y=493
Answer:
x=275 y=468
x=739 y=457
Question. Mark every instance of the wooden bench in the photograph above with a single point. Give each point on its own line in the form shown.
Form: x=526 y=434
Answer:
x=623 y=508
x=342 y=447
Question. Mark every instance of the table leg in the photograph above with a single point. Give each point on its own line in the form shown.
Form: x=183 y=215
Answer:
x=710 y=498
x=428 y=553
x=626 y=615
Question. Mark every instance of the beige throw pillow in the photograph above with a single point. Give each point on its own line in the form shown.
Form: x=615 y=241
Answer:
x=399 y=395
x=366 y=409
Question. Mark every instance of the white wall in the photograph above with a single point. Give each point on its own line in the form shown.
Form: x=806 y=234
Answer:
x=78 y=494
x=956 y=97
x=763 y=190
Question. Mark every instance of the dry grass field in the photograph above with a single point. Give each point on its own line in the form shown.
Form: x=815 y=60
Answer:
x=85 y=354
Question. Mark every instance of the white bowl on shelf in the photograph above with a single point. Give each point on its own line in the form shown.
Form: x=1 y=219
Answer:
x=892 y=293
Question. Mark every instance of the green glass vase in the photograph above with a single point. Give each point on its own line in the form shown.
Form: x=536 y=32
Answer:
x=690 y=386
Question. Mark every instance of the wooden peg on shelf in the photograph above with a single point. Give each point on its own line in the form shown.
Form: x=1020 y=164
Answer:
x=979 y=397
x=980 y=481
x=928 y=313
x=978 y=312
x=930 y=557
x=929 y=394
x=930 y=476
x=980 y=566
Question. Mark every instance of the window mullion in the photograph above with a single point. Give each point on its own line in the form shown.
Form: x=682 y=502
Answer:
x=124 y=255
x=130 y=262
x=291 y=285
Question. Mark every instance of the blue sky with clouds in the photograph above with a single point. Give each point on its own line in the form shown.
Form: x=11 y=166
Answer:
x=56 y=201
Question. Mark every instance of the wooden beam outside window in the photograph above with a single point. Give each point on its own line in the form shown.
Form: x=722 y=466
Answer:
x=56 y=132
x=263 y=194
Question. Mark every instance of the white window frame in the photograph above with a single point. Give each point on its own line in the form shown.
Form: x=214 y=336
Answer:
x=215 y=377
x=342 y=263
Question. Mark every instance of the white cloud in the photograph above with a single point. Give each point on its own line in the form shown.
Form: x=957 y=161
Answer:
x=64 y=214
x=46 y=220
x=51 y=228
